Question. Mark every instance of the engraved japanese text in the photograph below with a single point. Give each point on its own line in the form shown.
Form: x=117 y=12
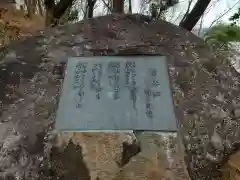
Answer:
x=130 y=80
x=114 y=78
x=96 y=79
x=79 y=77
x=151 y=91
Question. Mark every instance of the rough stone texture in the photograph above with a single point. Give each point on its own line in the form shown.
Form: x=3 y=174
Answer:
x=101 y=151
x=206 y=95
x=155 y=162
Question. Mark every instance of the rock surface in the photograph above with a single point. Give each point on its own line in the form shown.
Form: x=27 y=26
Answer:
x=205 y=91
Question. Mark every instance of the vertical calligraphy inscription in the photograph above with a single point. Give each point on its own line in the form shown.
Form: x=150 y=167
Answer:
x=151 y=91
x=114 y=77
x=130 y=81
x=96 y=79
x=79 y=77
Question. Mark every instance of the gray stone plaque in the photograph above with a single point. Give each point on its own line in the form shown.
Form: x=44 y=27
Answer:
x=112 y=93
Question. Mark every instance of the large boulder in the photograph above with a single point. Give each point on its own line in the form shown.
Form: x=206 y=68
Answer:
x=205 y=91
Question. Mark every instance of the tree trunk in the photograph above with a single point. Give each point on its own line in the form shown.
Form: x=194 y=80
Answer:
x=34 y=6
x=108 y=5
x=130 y=6
x=64 y=18
x=55 y=12
x=49 y=19
x=61 y=7
x=118 y=6
x=40 y=7
x=193 y=17
x=31 y=7
x=90 y=8
x=86 y=11
x=28 y=9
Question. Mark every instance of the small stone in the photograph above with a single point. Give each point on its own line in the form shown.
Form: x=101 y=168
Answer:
x=216 y=141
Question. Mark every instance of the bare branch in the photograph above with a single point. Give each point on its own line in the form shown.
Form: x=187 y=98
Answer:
x=201 y=25
x=83 y=9
x=229 y=9
x=211 y=5
x=107 y=5
x=193 y=17
x=179 y=16
x=172 y=14
x=187 y=12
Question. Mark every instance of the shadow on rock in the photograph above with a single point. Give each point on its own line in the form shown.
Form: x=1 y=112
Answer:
x=129 y=150
x=65 y=164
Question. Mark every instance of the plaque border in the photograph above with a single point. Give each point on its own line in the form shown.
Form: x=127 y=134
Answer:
x=63 y=87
